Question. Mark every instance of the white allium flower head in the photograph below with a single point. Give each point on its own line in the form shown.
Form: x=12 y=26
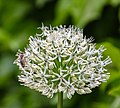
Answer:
x=61 y=59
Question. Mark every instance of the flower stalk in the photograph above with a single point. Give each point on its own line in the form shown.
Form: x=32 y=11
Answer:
x=60 y=100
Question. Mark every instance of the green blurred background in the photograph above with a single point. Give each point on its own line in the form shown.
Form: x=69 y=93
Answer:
x=20 y=18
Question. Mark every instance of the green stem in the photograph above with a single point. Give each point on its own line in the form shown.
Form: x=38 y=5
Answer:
x=60 y=100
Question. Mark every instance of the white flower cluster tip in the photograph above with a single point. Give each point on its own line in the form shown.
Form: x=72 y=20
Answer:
x=60 y=59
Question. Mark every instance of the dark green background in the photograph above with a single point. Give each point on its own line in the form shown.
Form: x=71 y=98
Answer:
x=20 y=18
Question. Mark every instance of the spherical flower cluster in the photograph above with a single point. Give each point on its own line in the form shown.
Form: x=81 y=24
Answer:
x=60 y=59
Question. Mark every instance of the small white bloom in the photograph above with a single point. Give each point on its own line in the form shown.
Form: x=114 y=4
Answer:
x=60 y=59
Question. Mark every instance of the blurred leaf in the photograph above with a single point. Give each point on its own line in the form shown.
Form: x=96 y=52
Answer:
x=114 y=67
x=22 y=35
x=114 y=87
x=6 y=67
x=41 y=3
x=31 y=98
x=114 y=2
x=116 y=103
x=4 y=39
x=82 y=11
x=114 y=54
x=14 y=12
x=114 y=81
x=100 y=105
x=62 y=11
x=115 y=91
x=0 y=4
x=11 y=101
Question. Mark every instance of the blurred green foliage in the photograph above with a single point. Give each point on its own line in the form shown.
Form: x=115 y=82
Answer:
x=20 y=18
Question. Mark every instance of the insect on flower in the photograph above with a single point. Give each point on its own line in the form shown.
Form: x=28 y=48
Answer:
x=22 y=60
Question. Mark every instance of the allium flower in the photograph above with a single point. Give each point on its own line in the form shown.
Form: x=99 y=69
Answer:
x=60 y=59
